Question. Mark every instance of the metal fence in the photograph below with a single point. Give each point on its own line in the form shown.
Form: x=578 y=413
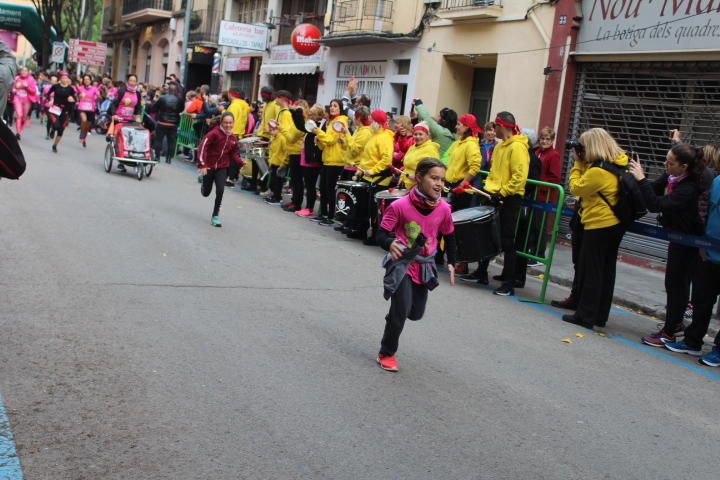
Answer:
x=362 y=15
x=208 y=30
x=132 y=6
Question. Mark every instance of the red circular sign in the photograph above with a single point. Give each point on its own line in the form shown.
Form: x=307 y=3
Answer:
x=305 y=39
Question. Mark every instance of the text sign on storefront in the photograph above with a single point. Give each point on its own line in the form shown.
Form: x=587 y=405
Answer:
x=361 y=69
x=235 y=64
x=287 y=54
x=633 y=26
x=89 y=53
x=243 y=35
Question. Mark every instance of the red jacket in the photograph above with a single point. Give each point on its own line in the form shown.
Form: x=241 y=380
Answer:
x=217 y=149
x=402 y=145
x=551 y=173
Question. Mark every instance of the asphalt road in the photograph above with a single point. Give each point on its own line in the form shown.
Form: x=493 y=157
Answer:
x=139 y=342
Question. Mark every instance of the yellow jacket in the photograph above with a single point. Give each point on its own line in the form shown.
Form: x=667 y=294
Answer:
x=510 y=165
x=414 y=155
x=355 y=145
x=333 y=151
x=278 y=155
x=270 y=112
x=378 y=153
x=288 y=130
x=585 y=183
x=240 y=110
x=465 y=159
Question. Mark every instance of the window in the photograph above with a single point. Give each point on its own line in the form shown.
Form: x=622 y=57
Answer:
x=402 y=67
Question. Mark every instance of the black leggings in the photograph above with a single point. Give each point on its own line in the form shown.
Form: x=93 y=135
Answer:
x=681 y=263
x=296 y=181
x=310 y=178
x=217 y=177
x=276 y=183
x=328 y=180
x=408 y=301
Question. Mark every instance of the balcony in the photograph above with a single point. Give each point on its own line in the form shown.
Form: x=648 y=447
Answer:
x=470 y=9
x=205 y=26
x=146 y=11
x=362 y=21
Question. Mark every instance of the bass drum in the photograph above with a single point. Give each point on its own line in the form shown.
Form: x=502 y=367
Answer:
x=352 y=201
x=384 y=199
x=477 y=233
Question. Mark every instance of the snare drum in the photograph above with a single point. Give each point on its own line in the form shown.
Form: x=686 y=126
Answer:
x=477 y=233
x=384 y=199
x=352 y=201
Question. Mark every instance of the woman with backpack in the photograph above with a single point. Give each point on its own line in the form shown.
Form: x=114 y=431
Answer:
x=594 y=182
x=674 y=195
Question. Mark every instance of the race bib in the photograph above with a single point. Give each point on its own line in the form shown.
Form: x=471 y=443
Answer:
x=55 y=110
x=85 y=106
x=22 y=93
x=127 y=111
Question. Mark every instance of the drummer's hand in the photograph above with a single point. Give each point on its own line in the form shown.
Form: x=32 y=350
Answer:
x=451 y=271
x=203 y=171
x=396 y=250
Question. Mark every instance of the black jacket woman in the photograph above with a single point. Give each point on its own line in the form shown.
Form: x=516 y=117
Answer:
x=674 y=195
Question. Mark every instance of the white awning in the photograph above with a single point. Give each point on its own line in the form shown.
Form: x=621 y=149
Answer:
x=289 y=68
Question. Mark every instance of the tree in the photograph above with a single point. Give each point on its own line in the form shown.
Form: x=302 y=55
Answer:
x=51 y=13
x=80 y=18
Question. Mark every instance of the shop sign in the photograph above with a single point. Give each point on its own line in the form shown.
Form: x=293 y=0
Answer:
x=243 y=35
x=633 y=26
x=237 y=64
x=287 y=54
x=305 y=39
x=202 y=55
x=361 y=69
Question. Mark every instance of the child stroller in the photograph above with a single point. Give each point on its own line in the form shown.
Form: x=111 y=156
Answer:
x=130 y=147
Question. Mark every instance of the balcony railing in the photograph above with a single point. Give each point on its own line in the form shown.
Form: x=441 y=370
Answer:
x=470 y=9
x=353 y=16
x=207 y=29
x=142 y=11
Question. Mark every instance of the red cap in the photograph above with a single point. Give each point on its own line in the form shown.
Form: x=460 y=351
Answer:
x=470 y=122
x=379 y=116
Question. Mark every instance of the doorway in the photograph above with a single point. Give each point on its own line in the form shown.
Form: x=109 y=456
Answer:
x=481 y=94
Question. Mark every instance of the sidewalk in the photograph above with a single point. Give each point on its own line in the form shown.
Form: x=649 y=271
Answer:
x=639 y=284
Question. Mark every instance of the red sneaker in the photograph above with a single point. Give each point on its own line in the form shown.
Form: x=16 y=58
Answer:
x=388 y=362
x=658 y=339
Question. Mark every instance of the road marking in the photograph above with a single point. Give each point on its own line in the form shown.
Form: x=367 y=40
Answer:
x=9 y=461
x=659 y=353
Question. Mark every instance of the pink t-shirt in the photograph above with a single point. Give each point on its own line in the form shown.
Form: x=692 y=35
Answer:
x=403 y=218
x=87 y=98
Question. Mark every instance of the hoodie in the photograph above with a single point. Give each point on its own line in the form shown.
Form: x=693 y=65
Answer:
x=429 y=149
x=378 y=153
x=585 y=183
x=510 y=166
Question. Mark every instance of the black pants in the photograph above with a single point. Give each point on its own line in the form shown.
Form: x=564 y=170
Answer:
x=276 y=183
x=310 y=177
x=162 y=132
x=509 y=211
x=329 y=177
x=407 y=302
x=296 y=181
x=706 y=288
x=596 y=271
x=576 y=240
x=217 y=177
x=681 y=262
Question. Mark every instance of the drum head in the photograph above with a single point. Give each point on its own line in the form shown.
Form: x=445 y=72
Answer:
x=310 y=125
x=352 y=184
x=273 y=123
x=472 y=214
x=387 y=194
x=338 y=126
x=249 y=139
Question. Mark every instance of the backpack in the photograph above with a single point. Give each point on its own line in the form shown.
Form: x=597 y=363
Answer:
x=12 y=161
x=631 y=204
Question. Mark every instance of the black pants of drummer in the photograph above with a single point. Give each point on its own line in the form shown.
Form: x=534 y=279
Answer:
x=408 y=302
x=276 y=183
x=218 y=177
x=509 y=211
x=681 y=263
x=596 y=271
x=310 y=178
x=296 y=181
x=706 y=288
x=328 y=180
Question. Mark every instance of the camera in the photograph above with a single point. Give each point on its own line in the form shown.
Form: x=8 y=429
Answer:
x=575 y=145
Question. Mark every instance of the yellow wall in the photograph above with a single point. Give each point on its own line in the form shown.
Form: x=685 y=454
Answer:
x=519 y=79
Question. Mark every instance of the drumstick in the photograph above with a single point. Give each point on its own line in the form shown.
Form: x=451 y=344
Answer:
x=481 y=192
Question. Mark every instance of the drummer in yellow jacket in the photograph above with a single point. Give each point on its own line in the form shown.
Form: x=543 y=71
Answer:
x=355 y=144
x=464 y=160
x=330 y=142
x=293 y=145
x=240 y=110
x=271 y=110
x=278 y=162
x=378 y=152
x=506 y=184
x=422 y=148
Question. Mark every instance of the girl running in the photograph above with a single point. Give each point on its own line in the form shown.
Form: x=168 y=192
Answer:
x=88 y=95
x=24 y=96
x=63 y=95
x=409 y=231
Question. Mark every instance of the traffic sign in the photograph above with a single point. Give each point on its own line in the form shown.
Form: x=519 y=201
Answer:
x=90 y=53
x=58 y=52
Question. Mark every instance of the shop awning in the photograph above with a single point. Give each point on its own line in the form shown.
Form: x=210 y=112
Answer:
x=289 y=68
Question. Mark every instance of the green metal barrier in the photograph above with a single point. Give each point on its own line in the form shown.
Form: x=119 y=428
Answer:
x=186 y=135
x=531 y=228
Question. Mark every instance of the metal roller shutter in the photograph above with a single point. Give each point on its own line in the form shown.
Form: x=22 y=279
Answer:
x=639 y=103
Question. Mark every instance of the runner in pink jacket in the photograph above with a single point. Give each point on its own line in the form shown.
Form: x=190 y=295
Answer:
x=88 y=95
x=25 y=94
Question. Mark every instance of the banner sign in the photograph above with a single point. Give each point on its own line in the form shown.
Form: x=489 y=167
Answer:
x=634 y=26
x=89 y=53
x=287 y=54
x=243 y=35
x=235 y=64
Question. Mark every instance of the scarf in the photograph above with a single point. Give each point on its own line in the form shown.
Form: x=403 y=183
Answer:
x=673 y=180
x=422 y=201
x=131 y=89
